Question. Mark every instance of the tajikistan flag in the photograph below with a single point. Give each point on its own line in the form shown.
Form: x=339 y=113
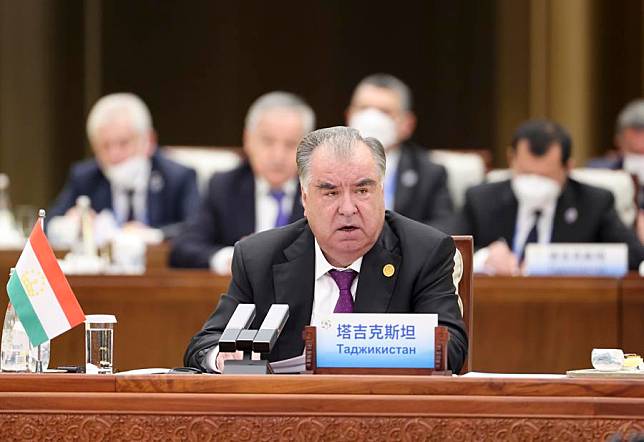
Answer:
x=40 y=293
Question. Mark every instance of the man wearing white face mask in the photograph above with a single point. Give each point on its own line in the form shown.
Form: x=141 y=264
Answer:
x=541 y=203
x=629 y=139
x=414 y=186
x=128 y=176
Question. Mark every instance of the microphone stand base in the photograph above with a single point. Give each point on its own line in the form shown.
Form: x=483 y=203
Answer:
x=245 y=366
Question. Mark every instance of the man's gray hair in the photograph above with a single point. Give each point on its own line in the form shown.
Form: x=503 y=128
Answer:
x=388 y=81
x=632 y=116
x=111 y=106
x=343 y=141
x=280 y=100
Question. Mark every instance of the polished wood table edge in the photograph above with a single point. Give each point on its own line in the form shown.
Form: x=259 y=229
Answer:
x=548 y=282
x=56 y=382
x=381 y=384
x=323 y=404
x=323 y=384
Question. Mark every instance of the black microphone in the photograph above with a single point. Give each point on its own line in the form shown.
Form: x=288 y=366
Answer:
x=271 y=328
x=240 y=320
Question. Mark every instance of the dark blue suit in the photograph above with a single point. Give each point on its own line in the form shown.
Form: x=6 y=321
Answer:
x=226 y=215
x=172 y=191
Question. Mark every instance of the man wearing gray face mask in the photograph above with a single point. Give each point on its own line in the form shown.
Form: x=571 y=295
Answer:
x=414 y=186
x=541 y=203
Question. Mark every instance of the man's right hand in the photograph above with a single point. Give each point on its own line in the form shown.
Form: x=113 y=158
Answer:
x=501 y=260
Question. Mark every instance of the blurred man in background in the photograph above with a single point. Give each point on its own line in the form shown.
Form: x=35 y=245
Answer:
x=629 y=139
x=260 y=194
x=128 y=177
x=540 y=204
x=381 y=107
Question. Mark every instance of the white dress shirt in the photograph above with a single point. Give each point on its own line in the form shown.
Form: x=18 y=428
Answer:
x=266 y=206
x=326 y=291
x=522 y=228
x=121 y=203
x=525 y=221
x=325 y=296
x=265 y=216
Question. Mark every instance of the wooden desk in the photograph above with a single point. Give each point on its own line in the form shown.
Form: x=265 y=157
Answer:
x=200 y=407
x=521 y=325
x=632 y=314
x=545 y=324
x=157 y=314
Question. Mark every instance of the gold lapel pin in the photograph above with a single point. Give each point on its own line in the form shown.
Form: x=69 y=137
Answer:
x=388 y=270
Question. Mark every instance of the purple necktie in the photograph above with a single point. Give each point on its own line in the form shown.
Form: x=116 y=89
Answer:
x=344 y=279
x=282 y=216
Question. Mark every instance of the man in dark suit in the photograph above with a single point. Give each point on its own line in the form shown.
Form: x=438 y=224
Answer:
x=261 y=193
x=541 y=203
x=381 y=107
x=335 y=259
x=629 y=139
x=128 y=176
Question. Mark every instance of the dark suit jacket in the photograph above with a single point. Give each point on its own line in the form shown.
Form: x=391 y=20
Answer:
x=226 y=215
x=490 y=213
x=277 y=266
x=421 y=188
x=172 y=192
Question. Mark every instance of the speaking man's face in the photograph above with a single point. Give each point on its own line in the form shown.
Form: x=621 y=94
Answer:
x=344 y=203
x=272 y=143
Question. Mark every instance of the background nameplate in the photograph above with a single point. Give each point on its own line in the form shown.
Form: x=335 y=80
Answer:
x=606 y=259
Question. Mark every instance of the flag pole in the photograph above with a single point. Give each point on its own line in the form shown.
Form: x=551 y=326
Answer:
x=41 y=218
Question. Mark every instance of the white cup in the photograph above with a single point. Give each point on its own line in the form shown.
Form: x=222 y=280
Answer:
x=607 y=359
x=128 y=253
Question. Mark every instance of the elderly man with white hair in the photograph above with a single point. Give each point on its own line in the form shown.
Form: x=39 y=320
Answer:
x=260 y=194
x=128 y=175
x=629 y=139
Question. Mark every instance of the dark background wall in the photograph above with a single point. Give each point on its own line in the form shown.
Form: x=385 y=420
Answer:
x=199 y=64
x=199 y=67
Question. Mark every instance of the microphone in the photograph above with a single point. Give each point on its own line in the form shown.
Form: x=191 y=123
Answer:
x=240 y=320
x=271 y=328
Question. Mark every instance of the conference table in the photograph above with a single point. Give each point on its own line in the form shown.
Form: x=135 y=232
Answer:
x=521 y=324
x=316 y=407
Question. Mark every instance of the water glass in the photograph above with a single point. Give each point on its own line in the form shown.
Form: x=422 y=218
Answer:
x=99 y=342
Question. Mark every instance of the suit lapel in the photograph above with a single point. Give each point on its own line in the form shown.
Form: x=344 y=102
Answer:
x=506 y=214
x=155 y=202
x=564 y=224
x=294 y=282
x=245 y=202
x=374 y=290
x=404 y=177
x=103 y=196
x=297 y=210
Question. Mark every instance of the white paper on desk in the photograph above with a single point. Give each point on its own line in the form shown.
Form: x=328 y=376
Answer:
x=293 y=365
x=140 y=371
x=478 y=374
